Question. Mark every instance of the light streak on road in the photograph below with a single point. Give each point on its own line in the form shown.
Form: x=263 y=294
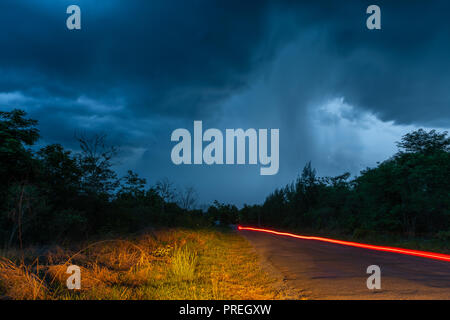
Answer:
x=423 y=254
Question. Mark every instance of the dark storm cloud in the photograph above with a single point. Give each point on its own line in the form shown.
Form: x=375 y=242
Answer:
x=161 y=57
x=139 y=69
x=136 y=58
x=180 y=58
x=400 y=72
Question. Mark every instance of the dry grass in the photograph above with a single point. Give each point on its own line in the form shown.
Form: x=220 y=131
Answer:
x=184 y=261
x=19 y=282
x=171 y=264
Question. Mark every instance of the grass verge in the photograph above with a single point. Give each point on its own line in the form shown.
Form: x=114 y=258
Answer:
x=170 y=264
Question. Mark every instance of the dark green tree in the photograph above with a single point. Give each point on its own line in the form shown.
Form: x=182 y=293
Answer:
x=132 y=187
x=95 y=161
x=16 y=133
x=420 y=141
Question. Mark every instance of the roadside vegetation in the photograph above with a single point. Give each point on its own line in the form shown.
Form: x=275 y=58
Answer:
x=403 y=201
x=57 y=207
x=171 y=264
x=49 y=194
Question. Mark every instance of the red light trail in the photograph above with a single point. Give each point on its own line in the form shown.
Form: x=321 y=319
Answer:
x=423 y=254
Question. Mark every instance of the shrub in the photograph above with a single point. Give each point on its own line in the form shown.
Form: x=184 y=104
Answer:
x=443 y=235
x=183 y=263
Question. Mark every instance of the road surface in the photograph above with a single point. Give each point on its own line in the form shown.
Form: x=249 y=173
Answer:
x=323 y=270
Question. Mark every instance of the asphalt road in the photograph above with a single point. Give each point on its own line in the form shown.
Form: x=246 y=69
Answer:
x=323 y=270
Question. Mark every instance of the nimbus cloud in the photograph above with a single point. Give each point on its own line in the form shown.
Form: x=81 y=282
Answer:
x=213 y=152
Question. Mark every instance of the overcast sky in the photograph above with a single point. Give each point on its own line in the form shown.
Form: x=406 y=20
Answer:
x=340 y=94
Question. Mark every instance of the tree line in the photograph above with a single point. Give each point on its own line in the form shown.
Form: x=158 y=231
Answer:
x=52 y=194
x=406 y=195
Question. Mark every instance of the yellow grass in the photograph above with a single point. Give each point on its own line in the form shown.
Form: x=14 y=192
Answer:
x=170 y=264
